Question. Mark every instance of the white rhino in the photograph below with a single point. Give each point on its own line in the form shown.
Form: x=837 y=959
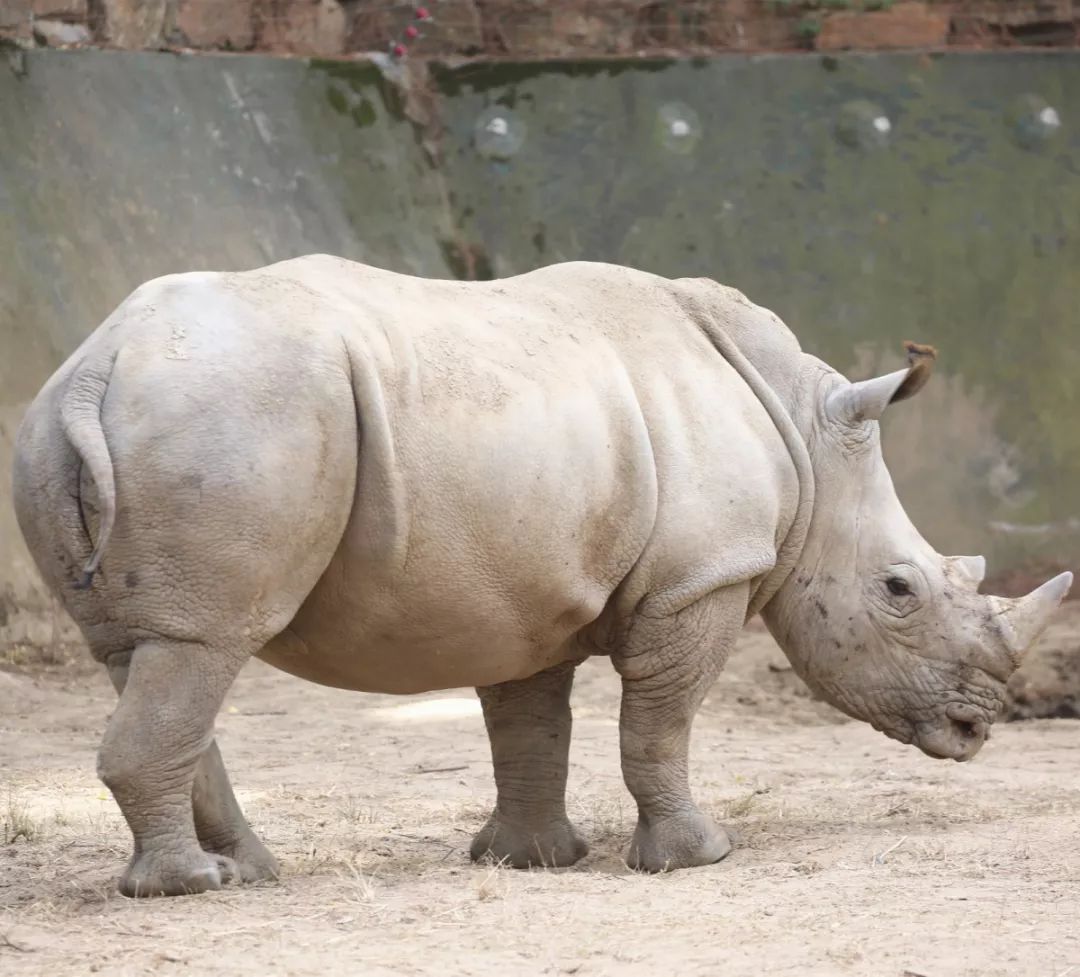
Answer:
x=391 y=484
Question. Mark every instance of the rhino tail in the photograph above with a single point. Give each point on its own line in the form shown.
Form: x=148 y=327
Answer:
x=80 y=418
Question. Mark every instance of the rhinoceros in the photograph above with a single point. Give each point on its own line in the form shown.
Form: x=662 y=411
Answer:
x=391 y=484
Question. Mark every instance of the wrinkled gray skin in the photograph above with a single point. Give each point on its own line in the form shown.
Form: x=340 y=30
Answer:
x=395 y=485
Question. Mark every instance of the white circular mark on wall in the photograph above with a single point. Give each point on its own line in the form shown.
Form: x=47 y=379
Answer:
x=1049 y=117
x=863 y=125
x=1034 y=121
x=678 y=127
x=498 y=133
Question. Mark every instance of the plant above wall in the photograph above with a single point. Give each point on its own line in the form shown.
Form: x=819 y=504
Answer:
x=537 y=30
x=421 y=17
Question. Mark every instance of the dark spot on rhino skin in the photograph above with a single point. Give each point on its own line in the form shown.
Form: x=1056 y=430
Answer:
x=822 y=609
x=836 y=643
x=131 y=579
x=192 y=480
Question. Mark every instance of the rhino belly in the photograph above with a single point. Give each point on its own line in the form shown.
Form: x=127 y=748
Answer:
x=405 y=658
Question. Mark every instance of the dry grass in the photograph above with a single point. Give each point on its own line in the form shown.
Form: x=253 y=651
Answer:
x=855 y=856
x=19 y=824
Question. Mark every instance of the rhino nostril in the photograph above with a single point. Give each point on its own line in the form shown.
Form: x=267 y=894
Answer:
x=965 y=716
x=966 y=729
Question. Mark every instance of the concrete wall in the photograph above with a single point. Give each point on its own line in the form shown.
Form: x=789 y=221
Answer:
x=118 y=167
x=866 y=199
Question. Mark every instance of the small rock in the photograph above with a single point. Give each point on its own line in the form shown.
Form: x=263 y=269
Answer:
x=55 y=33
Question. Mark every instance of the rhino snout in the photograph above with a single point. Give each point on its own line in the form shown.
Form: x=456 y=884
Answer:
x=959 y=736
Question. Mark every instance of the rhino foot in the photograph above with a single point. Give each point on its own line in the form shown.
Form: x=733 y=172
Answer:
x=681 y=841
x=556 y=845
x=251 y=860
x=170 y=873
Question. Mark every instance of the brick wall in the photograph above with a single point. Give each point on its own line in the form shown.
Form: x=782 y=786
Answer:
x=524 y=29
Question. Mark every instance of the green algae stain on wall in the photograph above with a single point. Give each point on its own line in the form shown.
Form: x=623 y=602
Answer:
x=119 y=167
x=867 y=200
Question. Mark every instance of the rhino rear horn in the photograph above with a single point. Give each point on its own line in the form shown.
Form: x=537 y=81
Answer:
x=1022 y=620
x=867 y=399
x=972 y=567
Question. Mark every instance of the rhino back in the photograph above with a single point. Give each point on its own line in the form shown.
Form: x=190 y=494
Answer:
x=529 y=448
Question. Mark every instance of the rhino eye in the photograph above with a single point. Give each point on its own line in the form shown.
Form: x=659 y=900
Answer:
x=898 y=587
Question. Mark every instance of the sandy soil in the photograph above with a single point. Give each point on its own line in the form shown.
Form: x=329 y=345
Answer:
x=857 y=855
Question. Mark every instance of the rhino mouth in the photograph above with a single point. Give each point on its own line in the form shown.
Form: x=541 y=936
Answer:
x=959 y=737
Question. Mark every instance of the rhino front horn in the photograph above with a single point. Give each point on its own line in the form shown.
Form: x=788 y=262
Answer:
x=1023 y=620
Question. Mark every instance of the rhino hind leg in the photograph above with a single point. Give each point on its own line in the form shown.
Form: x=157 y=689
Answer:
x=667 y=666
x=529 y=723
x=220 y=823
x=156 y=740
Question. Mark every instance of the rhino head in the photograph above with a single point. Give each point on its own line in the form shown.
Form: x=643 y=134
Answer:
x=872 y=618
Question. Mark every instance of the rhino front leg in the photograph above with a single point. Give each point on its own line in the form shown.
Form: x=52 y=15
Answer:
x=667 y=666
x=219 y=822
x=528 y=723
x=161 y=729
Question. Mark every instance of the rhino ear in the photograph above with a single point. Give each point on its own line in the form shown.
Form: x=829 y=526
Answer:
x=867 y=399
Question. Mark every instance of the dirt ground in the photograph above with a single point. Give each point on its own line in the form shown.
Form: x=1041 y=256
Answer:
x=857 y=855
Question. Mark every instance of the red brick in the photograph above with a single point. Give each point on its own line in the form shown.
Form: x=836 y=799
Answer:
x=131 y=23
x=72 y=11
x=15 y=17
x=907 y=25
x=312 y=27
x=215 y=23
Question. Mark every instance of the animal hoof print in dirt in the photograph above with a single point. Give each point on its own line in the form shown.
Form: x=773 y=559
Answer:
x=558 y=846
x=680 y=842
x=161 y=875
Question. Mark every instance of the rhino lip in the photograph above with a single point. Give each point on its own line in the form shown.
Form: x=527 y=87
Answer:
x=958 y=738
